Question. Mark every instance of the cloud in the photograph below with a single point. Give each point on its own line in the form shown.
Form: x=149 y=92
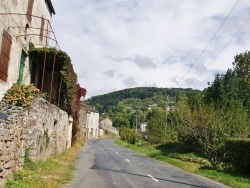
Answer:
x=142 y=62
x=130 y=82
x=149 y=42
x=110 y=73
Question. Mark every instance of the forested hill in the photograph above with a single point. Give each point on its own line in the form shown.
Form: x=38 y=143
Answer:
x=150 y=94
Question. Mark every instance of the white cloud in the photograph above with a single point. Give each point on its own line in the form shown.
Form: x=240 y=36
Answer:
x=118 y=44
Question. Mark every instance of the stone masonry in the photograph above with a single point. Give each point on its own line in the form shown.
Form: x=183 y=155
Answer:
x=44 y=130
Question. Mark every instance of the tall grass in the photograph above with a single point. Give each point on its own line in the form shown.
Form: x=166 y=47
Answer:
x=52 y=173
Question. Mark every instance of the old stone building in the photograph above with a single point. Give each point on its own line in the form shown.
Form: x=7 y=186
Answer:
x=44 y=129
x=22 y=22
x=107 y=124
x=89 y=121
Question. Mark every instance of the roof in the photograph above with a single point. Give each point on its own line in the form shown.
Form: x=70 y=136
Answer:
x=88 y=108
x=51 y=8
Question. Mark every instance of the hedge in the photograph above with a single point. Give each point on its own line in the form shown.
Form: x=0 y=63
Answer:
x=238 y=154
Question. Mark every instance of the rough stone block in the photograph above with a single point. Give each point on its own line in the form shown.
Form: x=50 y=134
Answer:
x=9 y=164
x=5 y=173
x=3 y=115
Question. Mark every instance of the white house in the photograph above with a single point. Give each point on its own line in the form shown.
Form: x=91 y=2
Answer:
x=143 y=127
x=22 y=22
x=89 y=121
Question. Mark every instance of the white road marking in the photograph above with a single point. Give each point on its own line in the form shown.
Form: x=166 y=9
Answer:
x=153 y=177
x=128 y=160
x=150 y=176
x=117 y=153
x=109 y=147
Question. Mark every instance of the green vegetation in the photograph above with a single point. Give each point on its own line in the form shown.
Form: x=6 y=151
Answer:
x=189 y=159
x=54 y=172
x=156 y=129
x=129 y=135
x=70 y=92
x=130 y=106
x=21 y=95
x=135 y=99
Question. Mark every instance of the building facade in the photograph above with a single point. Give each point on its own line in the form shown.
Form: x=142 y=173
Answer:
x=89 y=121
x=22 y=22
x=107 y=125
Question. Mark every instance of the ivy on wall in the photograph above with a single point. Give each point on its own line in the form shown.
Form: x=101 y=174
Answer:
x=69 y=89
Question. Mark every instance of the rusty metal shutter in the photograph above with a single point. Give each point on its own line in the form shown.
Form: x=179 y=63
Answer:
x=41 y=29
x=29 y=10
x=5 y=55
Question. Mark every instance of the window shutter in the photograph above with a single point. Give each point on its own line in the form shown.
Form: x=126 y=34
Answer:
x=5 y=55
x=29 y=10
x=41 y=29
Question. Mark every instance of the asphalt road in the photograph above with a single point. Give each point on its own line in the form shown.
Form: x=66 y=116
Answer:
x=103 y=164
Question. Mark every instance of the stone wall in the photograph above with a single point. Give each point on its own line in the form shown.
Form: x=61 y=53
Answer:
x=44 y=130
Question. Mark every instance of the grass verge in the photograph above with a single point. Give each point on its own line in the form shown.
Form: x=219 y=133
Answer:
x=186 y=159
x=52 y=173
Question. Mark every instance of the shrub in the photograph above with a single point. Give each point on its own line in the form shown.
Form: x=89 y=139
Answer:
x=238 y=154
x=21 y=95
x=129 y=135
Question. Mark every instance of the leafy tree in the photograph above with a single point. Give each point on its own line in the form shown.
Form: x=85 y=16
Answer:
x=120 y=121
x=209 y=127
x=156 y=126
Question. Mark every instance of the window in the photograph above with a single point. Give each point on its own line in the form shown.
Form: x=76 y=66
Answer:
x=41 y=29
x=29 y=10
x=5 y=55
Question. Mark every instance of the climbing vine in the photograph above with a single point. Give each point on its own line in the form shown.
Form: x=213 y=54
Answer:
x=70 y=91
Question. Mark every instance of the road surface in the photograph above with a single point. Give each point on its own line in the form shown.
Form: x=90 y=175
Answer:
x=104 y=164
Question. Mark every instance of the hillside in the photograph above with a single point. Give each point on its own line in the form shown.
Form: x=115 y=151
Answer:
x=136 y=98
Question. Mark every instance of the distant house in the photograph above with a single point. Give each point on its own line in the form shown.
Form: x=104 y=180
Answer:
x=21 y=23
x=143 y=127
x=169 y=106
x=89 y=121
x=107 y=124
x=152 y=106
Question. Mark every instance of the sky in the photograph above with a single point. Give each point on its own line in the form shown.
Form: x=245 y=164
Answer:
x=119 y=44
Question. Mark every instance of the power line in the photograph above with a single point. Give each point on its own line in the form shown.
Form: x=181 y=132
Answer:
x=226 y=44
x=216 y=32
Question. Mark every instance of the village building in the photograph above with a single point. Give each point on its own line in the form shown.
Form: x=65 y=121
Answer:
x=22 y=23
x=89 y=121
x=107 y=125
x=44 y=129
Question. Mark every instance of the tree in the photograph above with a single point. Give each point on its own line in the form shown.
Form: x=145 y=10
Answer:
x=209 y=127
x=120 y=121
x=156 y=126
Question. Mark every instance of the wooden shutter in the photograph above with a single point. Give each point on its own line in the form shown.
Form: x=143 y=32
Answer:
x=5 y=55
x=29 y=10
x=41 y=29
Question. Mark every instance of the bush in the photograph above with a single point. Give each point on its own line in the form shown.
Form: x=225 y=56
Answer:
x=238 y=154
x=21 y=95
x=129 y=135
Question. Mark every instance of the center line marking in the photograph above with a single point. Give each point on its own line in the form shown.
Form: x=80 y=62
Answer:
x=128 y=160
x=117 y=153
x=153 y=177
x=109 y=147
